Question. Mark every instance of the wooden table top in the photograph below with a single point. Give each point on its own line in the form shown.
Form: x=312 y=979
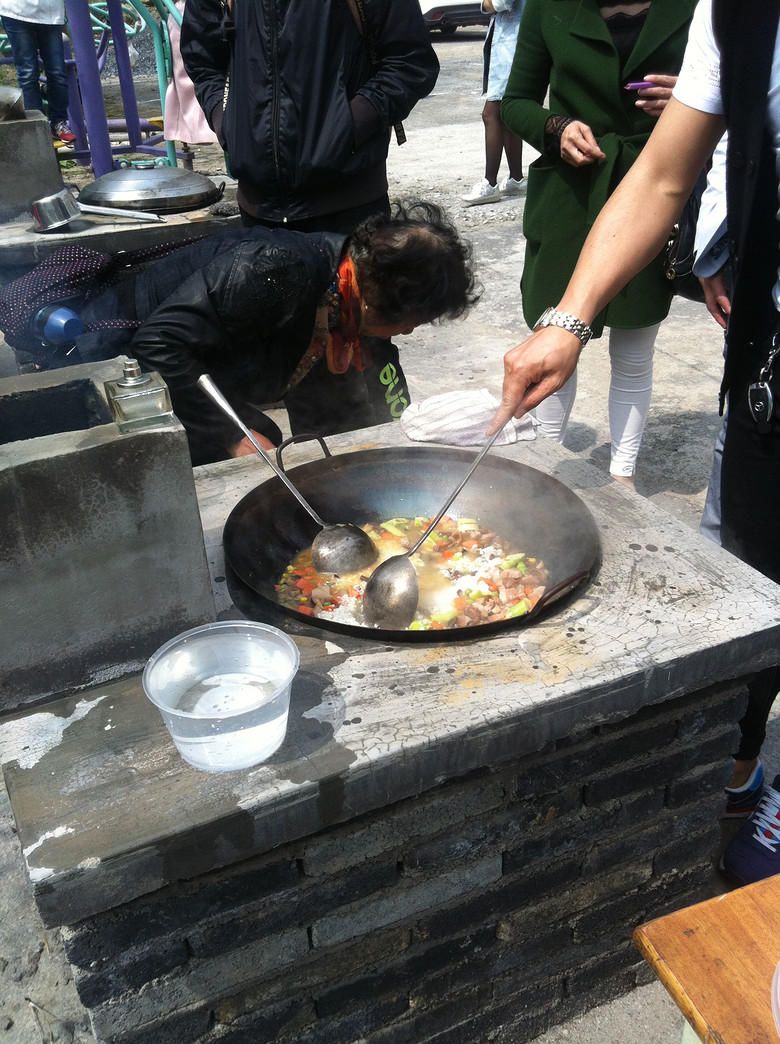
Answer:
x=717 y=960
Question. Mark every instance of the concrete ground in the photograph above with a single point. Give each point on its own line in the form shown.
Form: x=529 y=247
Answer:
x=443 y=157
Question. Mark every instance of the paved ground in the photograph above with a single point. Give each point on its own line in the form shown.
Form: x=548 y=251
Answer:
x=442 y=159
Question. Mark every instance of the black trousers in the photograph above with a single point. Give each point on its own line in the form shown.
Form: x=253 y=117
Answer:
x=750 y=529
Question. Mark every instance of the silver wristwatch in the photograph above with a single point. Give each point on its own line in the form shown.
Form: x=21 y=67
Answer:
x=568 y=322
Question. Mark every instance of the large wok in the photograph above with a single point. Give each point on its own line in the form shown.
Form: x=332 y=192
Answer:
x=535 y=512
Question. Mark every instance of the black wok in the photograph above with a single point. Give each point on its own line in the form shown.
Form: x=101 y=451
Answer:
x=534 y=512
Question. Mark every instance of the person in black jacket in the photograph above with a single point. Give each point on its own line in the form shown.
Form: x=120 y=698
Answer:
x=303 y=97
x=259 y=309
x=730 y=80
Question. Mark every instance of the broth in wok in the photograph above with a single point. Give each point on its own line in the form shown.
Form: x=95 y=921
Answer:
x=466 y=576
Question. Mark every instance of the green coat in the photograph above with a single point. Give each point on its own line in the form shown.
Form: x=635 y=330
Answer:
x=564 y=45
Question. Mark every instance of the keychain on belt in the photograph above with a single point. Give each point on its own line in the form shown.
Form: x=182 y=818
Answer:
x=760 y=398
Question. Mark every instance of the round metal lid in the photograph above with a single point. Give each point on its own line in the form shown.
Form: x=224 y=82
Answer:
x=152 y=188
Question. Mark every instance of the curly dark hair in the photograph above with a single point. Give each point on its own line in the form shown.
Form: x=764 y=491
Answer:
x=413 y=264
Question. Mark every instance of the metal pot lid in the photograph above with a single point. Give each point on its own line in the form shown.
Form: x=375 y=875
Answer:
x=153 y=188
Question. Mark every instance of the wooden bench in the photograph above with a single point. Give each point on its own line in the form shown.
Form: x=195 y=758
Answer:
x=717 y=960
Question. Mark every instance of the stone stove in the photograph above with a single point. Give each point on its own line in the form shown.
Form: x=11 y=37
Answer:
x=454 y=841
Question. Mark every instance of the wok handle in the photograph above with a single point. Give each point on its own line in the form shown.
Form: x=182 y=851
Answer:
x=206 y=385
x=139 y=215
x=299 y=438
x=560 y=589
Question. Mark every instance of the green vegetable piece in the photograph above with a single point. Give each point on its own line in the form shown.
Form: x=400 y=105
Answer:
x=513 y=562
x=523 y=606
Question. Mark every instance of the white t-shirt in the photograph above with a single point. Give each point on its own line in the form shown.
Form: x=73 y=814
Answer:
x=42 y=12
x=698 y=86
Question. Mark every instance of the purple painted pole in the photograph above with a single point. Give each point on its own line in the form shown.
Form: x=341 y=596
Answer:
x=124 y=71
x=89 y=81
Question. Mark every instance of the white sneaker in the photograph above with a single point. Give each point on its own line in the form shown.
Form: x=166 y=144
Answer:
x=483 y=192
x=511 y=187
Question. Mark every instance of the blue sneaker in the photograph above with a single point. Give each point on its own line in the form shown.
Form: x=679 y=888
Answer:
x=754 y=854
x=742 y=802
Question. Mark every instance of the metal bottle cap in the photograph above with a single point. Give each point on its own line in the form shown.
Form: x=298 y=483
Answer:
x=131 y=374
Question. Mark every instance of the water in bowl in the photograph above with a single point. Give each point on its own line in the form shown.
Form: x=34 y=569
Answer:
x=233 y=740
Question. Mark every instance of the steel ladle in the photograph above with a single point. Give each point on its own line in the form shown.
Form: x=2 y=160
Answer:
x=391 y=594
x=337 y=548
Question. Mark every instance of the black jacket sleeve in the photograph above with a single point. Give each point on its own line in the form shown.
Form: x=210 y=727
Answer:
x=205 y=51
x=246 y=319
x=407 y=69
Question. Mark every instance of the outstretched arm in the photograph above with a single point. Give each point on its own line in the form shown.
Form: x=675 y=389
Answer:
x=627 y=235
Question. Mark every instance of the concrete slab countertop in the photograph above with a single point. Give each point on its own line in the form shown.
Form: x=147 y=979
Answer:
x=23 y=245
x=108 y=811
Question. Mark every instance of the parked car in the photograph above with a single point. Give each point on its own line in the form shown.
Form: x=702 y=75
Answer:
x=447 y=15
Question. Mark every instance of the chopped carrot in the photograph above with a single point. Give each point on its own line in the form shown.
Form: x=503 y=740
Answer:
x=306 y=610
x=447 y=554
x=460 y=603
x=304 y=586
x=436 y=625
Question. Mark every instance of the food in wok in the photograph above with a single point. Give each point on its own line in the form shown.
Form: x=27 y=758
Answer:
x=466 y=576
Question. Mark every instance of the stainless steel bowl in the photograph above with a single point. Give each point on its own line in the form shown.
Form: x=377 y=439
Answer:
x=56 y=210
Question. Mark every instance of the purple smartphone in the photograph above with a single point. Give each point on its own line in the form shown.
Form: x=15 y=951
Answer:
x=639 y=86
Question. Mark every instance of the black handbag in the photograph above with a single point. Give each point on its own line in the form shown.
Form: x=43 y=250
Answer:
x=680 y=255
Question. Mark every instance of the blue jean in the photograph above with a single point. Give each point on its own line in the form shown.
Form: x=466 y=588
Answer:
x=28 y=40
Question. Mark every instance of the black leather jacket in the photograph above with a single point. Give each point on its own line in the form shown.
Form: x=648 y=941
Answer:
x=240 y=306
x=308 y=117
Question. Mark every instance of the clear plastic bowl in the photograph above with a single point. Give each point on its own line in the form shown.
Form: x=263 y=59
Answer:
x=223 y=690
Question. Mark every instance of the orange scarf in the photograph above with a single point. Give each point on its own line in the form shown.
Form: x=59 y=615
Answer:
x=343 y=347
x=340 y=313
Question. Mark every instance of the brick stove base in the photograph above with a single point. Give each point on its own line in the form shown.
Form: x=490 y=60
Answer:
x=488 y=908
x=453 y=843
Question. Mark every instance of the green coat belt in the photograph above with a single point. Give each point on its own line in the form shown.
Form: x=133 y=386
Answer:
x=565 y=46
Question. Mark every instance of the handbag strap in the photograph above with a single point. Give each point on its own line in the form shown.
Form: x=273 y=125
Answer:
x=358 y=12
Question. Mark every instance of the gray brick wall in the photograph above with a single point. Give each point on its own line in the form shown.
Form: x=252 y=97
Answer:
x=496 y=904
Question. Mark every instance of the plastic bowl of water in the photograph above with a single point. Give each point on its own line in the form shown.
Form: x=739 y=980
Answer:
x=223 y=690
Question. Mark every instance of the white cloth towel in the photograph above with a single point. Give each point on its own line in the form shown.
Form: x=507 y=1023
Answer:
x=461 y=418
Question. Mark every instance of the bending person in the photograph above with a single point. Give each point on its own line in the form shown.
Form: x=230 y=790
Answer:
x=589 y=134
x=258 y=309
x=730 y=79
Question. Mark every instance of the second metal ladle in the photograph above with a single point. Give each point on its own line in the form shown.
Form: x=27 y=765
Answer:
x=337 y=548
x=391 y=594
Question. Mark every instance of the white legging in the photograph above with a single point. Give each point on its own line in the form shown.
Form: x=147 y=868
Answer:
x=630 y=387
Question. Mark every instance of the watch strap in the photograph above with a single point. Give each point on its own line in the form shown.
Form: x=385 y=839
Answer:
x=567 y=321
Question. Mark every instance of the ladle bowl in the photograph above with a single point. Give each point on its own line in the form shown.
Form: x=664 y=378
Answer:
x=338 y=547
